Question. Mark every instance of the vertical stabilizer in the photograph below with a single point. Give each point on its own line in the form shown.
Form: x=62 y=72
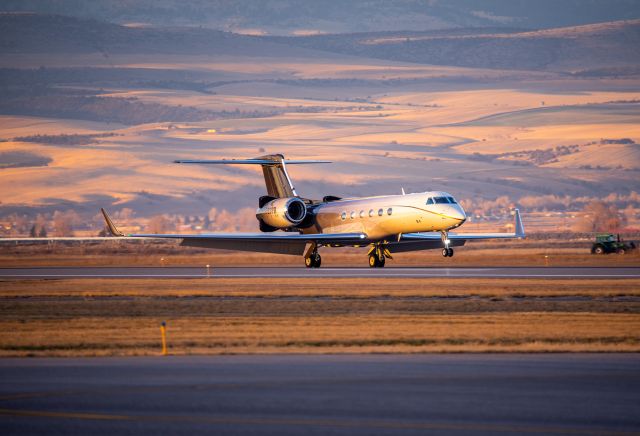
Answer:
x=276 y=178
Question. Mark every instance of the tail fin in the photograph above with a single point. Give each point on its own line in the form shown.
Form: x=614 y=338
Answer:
x=276 y=177
x=274 y=168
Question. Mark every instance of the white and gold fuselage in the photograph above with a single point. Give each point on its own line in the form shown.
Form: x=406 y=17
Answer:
x=385 y=217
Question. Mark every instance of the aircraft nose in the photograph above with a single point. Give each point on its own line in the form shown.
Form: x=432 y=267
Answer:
x=458 y=213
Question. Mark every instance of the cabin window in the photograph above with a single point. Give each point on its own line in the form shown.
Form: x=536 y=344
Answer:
x=380 y=212
x=353 y=214
x=389 y=211
x=441 y=200
x=362 y=214
x=451 y=200
x=371 y=212
x=430 y=200
x=343 y=216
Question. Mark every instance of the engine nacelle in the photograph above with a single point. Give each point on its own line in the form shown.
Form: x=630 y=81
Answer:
x=282 y=213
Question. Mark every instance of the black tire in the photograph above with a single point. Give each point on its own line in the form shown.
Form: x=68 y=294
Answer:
x=598 y=249
x=450 y=252
x=445 y=252
x=318 y=261
x=373 y=261
x=308 y=261
x=381 y=262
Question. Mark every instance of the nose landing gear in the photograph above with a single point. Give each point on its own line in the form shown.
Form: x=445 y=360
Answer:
x=446 y=251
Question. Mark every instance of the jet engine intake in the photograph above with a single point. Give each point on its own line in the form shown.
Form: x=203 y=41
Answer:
x=282 y=213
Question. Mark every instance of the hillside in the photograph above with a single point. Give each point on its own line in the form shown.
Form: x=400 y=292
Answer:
x=579 y=48
x=38 y=33
x=296 y=17
x=92 y=114
x=597 y=49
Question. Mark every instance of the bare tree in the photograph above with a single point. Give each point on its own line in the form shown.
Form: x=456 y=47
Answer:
x=157 y=224
x=599 y=216
x=62 y=224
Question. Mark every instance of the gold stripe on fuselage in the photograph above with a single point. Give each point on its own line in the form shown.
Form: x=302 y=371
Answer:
x=408 y=214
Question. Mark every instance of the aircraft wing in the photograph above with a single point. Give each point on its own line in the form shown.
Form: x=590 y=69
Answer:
x=425 y=241
x=276 y=242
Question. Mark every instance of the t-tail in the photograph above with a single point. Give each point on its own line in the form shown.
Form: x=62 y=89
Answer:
x=274 y=168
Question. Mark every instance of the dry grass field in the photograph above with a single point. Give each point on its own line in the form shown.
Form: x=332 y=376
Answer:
x=221 y=316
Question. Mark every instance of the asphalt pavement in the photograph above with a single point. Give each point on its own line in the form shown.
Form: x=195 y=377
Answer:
x=577 y=394
x=301 y=272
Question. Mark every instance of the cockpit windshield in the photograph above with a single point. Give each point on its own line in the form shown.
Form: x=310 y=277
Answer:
x=441 y=200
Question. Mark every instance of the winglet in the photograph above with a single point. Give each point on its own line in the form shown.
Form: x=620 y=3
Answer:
x=518 y=224
x=112 y=228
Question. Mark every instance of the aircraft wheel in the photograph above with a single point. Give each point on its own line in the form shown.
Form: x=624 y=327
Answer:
x=317 y=261
x=373 y=261
x=308 y=261
x=450 y=252
x=445 y=252
x=381 y=262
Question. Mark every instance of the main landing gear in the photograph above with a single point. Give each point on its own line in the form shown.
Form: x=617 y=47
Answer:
x=447 y=252
x=313 y=261
x=377 y=256
x=312 y=258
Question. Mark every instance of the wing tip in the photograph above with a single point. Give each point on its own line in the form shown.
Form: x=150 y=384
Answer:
x=519 y=227
x=112 y=228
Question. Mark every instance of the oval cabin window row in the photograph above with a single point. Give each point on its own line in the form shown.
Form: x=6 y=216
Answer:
x=362 y=213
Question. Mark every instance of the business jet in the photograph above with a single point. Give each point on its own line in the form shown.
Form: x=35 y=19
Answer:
x=296 y=225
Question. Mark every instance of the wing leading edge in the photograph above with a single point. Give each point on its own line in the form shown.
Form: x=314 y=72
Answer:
x=277 y=242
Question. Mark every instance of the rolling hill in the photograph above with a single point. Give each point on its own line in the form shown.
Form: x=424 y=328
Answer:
x=604 y=47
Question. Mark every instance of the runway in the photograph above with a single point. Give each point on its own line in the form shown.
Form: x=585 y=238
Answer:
x=597 y=394
x=302 y=272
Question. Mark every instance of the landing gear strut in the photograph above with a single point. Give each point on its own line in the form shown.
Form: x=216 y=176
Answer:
x=446 y=251
x=378 y=255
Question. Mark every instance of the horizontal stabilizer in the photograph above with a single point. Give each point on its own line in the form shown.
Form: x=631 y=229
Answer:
x=249 y=162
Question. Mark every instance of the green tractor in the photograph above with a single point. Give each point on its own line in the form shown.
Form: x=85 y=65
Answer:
x=607 y=243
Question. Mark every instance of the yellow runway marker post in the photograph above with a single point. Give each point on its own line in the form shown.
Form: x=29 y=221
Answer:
x=163 y=333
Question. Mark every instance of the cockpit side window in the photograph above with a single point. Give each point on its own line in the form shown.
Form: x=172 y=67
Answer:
x=430 y=200
x=452 y=200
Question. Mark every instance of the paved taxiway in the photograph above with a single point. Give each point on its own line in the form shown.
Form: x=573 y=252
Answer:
x=590 y=394
x=299 y=272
